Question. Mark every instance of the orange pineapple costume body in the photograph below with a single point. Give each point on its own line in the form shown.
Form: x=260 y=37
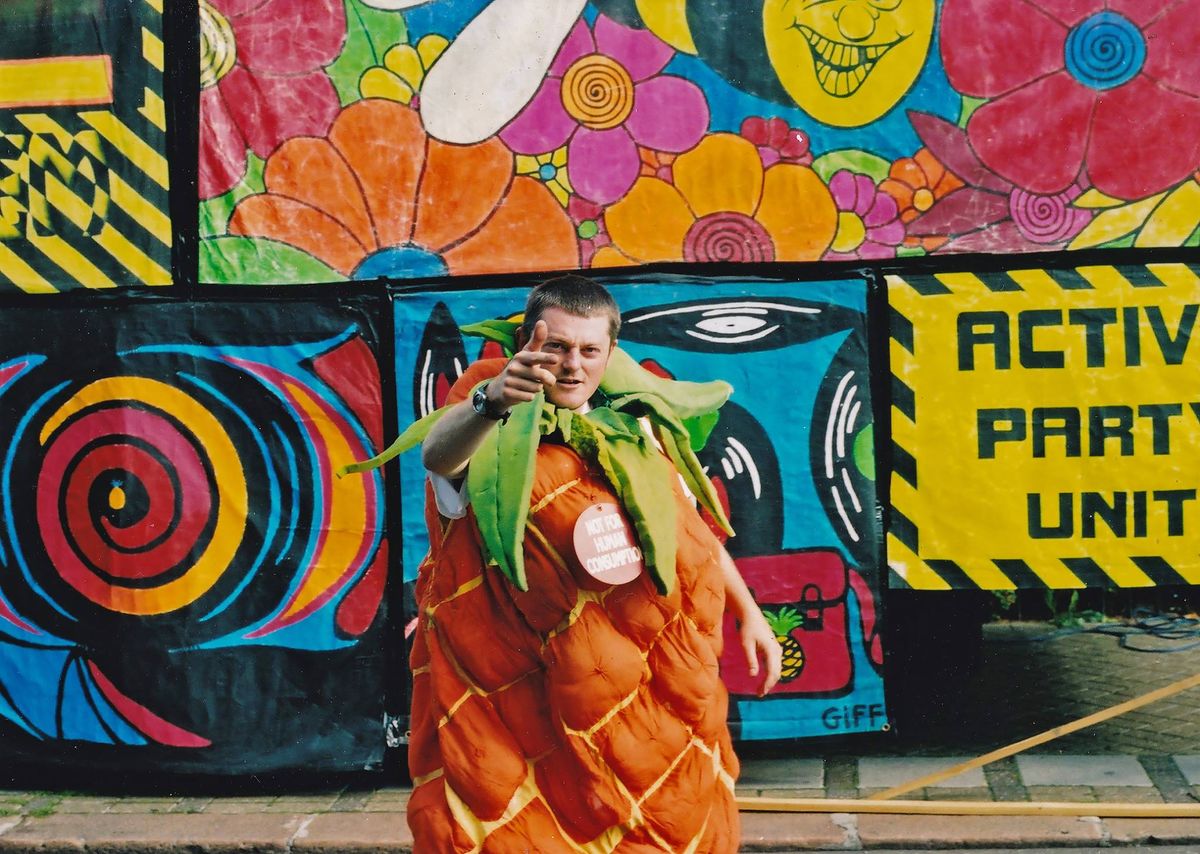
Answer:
x=577 y=716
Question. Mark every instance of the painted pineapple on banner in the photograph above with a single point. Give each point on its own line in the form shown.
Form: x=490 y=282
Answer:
x=783 y=621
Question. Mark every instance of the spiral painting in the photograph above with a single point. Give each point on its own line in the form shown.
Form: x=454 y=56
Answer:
x=180 y=566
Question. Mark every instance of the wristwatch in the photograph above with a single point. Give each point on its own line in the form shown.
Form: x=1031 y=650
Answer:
x=483 y=406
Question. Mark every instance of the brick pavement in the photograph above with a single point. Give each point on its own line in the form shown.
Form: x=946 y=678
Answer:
x=1022 y=687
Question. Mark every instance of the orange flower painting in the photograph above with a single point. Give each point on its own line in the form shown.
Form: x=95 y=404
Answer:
x=722 y=206
x=378 y=197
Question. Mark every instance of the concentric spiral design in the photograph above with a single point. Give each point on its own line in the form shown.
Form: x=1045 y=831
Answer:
x=728 y=236
x=597 y=92
x=170 y=515
x=1046 y=219
x=1105 y=50
x=138 y=512
x=218 y=50
x=197 y=487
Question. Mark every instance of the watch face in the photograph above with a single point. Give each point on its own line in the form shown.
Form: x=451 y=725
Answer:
x=479 y=403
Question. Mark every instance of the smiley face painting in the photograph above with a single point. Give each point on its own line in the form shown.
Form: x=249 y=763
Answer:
x=847 y=62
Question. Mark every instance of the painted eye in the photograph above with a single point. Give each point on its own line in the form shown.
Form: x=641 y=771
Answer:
x=733 y=325
x=721 y=325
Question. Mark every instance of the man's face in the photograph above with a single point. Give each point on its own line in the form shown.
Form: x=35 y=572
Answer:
x=582 y=345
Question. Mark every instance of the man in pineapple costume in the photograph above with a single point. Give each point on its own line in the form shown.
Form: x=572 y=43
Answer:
x=555 y=711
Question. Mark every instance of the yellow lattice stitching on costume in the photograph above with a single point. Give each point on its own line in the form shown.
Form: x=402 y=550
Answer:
x=714 y=753
x=477 y=829
x=472 y=691
x=462 y=590
x=617 y=707
x=526 y=793
x=428 y=778
x=582 y=599
x=549 y=497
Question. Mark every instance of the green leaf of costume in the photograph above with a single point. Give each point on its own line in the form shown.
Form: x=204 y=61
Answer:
x=641 y=478
x=686 y=399
x=406 y=441
x=503 y=332
x=499 y=481
x=674 y=437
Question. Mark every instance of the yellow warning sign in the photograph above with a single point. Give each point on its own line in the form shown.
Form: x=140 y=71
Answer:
x=1046 y=428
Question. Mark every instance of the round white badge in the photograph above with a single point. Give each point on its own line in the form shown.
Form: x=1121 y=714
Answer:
x=606 y=546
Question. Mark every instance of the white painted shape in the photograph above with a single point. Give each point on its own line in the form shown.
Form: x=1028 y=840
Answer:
x=494 y=68
x=395 y=4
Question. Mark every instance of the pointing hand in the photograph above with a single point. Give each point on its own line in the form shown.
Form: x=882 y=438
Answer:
x=527 y=373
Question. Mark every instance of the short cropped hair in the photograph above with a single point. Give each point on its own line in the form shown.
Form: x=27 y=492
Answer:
x=574 y=294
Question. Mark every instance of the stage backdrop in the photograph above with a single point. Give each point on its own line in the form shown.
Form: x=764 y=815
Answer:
x=403 y=138
x=1045 y=428
x=184 y=583
x=792 y=454
x=83 y=166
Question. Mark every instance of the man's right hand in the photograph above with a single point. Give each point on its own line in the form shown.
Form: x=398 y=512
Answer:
x=527 y=373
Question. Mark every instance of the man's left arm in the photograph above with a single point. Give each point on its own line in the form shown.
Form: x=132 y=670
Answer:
x=757 y=638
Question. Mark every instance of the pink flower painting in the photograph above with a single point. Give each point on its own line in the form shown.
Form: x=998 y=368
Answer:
x=262 y=80
x=1108 y=89
x=604 y=96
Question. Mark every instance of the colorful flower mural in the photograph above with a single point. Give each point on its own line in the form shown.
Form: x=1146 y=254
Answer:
x=1073 y=86
x=262 y=83
x=402 y=71
x=378 y=197
x=1020 y=129
x=987 y=213
x=916 y=183
x=603 y=97
x=784 y=213
x=869 y=223
x=776 y=141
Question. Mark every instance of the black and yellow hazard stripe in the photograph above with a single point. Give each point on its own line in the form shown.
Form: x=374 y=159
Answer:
x=83 y=165
x=910 y=566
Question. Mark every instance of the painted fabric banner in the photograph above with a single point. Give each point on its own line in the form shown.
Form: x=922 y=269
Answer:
x=1045 y=428
x=83 y=167
x=402 y=139
x=792 y=456
x=184 y=583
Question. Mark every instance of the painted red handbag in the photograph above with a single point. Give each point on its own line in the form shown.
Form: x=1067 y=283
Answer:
x=803 y=596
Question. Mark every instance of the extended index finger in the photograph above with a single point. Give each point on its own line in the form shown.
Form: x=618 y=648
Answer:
x=538 y=338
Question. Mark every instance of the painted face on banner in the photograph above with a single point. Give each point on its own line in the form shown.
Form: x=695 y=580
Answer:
x=847 y=62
